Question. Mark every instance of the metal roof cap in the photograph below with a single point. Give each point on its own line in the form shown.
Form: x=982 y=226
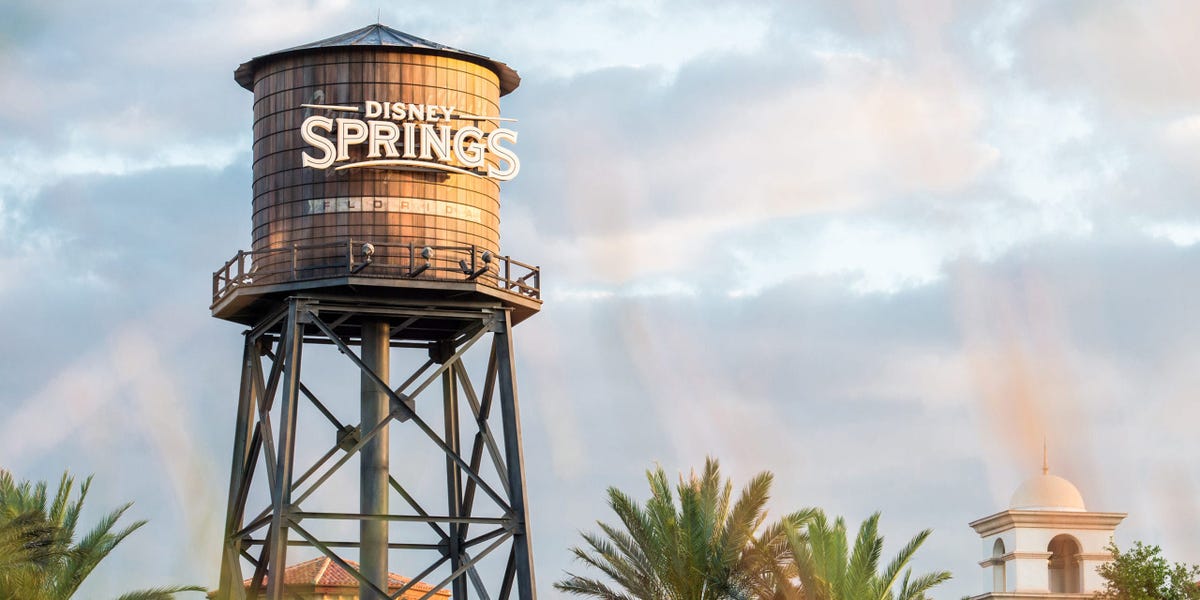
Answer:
x=379 y=35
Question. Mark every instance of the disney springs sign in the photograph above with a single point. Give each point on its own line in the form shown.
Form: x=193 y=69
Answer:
x=399 y=135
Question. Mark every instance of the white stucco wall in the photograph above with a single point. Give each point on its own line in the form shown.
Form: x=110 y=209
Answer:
x=988 y=583
x=1092 y=581
x=1031 y=574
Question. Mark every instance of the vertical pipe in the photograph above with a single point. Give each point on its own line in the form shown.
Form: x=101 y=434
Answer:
x=453 y=481
x=281 y=496
x=514 y=455
x=373 y=491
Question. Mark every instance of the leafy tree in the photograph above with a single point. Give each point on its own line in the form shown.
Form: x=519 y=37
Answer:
x=697 y=543
x=40 y=555
x=829 y=568
x=1141 y=573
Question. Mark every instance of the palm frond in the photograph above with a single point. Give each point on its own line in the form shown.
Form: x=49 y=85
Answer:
x=58 y=509
x=161 y=593
x=584 y=586
x=608 y=559
x=902 y=558
x=915 y=590
x=49 y=564
x=694 y=540
x=828 y=568
x=864 y=558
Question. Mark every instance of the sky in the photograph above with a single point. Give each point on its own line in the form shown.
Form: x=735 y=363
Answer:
x=883 y=250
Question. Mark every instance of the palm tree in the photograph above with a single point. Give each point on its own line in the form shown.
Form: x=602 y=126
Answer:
x=28 y=542
x=26 y=546
x=702 y=548
x=47 y=561
x=769 y=563
x=828 y=568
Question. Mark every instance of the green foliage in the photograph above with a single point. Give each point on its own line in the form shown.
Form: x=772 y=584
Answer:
x=40 y=555
x=1141 y=573
x=829 y=568
x=696 y=543
x=708 y=547
x=29 y=542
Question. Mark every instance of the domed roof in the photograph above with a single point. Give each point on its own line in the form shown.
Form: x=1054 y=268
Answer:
x=1047 y=492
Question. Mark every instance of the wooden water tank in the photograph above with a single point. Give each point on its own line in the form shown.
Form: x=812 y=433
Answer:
x=330 y=213
x=410 y=221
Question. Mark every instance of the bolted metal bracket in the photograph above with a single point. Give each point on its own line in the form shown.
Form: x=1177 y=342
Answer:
x=409 y=402
x=306 y=313
x=440 y=351
x=348 y=437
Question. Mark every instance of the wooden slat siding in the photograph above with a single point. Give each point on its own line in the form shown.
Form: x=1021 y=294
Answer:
x=282 y=188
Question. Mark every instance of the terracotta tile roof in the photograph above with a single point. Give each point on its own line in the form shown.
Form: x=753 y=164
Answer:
x=324 y=573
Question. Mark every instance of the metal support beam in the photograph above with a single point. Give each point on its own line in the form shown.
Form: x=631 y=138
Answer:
x=373 y=472
x=282 y=492
x=514 y=455
x=230 y=582
x=454 y=497
x=484 y=515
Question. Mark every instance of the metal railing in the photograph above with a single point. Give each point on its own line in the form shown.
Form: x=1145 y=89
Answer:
x=383 y=260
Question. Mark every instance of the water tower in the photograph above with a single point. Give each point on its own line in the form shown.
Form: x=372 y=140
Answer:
x=378 y=158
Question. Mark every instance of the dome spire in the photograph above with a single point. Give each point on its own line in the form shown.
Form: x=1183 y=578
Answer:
x=1045 y=462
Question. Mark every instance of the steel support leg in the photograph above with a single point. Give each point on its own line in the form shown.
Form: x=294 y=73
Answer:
x=281 y=495
x=514 y=455
x=373 y=491
x=266 y=430
x=453 y=481
x=230 y=582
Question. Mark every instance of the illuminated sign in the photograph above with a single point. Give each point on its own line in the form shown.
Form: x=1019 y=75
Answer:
x=399 y=135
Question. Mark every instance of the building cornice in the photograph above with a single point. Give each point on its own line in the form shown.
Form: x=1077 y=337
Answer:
x=1046 y=519
x=995 y=560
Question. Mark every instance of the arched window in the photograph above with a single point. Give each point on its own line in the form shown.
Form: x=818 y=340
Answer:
x=1065 y=565
x=998 y=569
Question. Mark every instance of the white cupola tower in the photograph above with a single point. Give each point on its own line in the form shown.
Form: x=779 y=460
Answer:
x=1046 y=545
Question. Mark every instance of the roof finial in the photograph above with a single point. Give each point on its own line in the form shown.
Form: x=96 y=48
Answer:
x=378 y=16
x=1045 y=462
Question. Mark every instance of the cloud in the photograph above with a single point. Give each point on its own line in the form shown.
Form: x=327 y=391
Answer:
x=930 y=403
x=878 y=249
x=1178 y=233
x=663 y=179
x=848 y=132
x=1131 y=58
x=126 y=374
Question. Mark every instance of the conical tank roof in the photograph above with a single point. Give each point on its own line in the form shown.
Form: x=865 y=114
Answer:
x=376 y=36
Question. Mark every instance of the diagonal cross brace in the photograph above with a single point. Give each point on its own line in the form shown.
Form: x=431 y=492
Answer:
x=400 y=404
